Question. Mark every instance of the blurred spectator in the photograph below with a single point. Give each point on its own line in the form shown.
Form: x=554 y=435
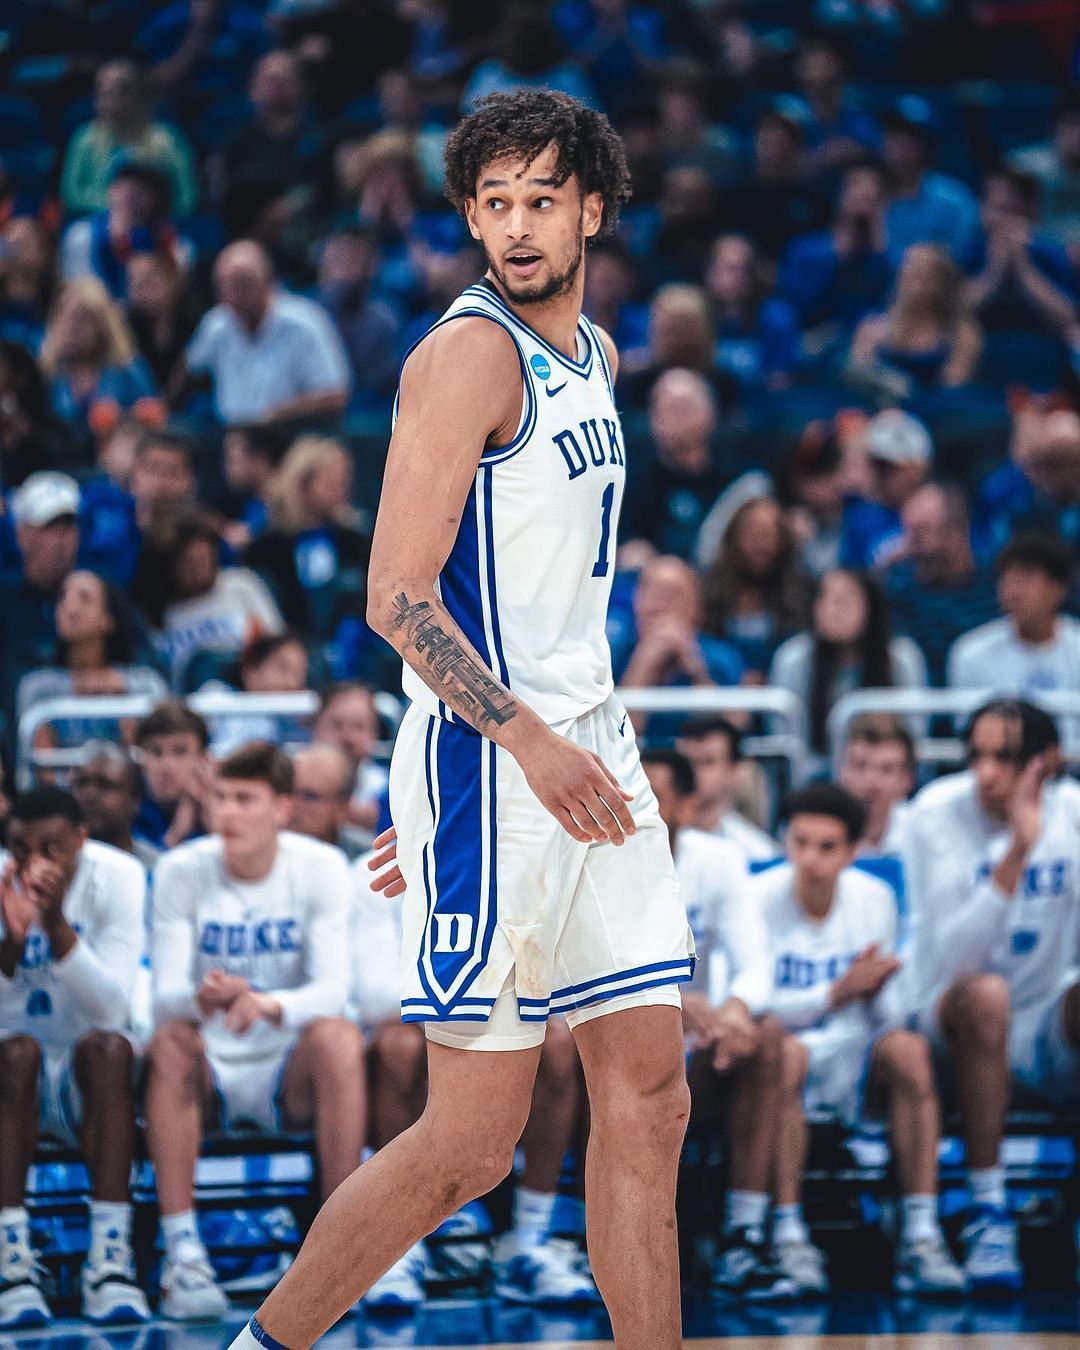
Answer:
x=899 y=455
x=927 y=338
x=848 y=646
x=925 y=207
x=282 y=150
x=755 y=592
x=1056 y=168
x=620 y=43
x=936 y=591
x=813 y=484
x=349 y=720
x=669 y=498
x=135 y=220
x=253 y=455
x=159 y=310
x=878 y=768
x=1040 y=488
x=774 y=203
x=271 y=663
x=95 y=655
x=322 y=786
x=839 y=276
x=1023 y=280
x=669 y=649
x=210 y=608
x=443 y=265
x=314 y=556
x=170 y=746
x=836 y=134
x=529 y=54
x=269 y=355
x=686 y=222
x=687 y=136
x=27 y=279
x=202 y=47
x=757 y=334
x=31 y=438
x=89 y=354
x=610 y=282
x=108 y=787
x=713 y=745
x=680 y=333
x=122 y=132
x=1035 y=648
x=369 y=329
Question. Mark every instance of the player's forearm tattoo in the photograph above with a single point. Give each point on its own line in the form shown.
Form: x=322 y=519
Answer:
x=464 y=682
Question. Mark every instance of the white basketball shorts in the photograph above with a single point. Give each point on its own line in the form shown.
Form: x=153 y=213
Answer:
x=508 y=919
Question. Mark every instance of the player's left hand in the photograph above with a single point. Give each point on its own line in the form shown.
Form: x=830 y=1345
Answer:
x=251 y=1007
x=734 y=1038
x=44 y=883
x=384 y=862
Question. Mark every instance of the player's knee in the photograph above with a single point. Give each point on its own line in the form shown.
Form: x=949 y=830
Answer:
x=399 y=1050
x=795 y=1060
x=904 y=1060
x=175 y=1050
x=20 y=1063
x=647 y=1115
x=472 y=1167
x=335 y=1045
x=559 y=1057
x=769 y=1053
x=104 y=1061
x=977 y=1013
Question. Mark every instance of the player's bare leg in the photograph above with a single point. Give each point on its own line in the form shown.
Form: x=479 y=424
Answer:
x=324 y=1083
x=639 y=1105
x=754 y=1112
x=177 y=1091
x=556 y=1097
x=903 y=1067
x=398 y=1059
x=104 y=1065
x=975 y=1018
x=1070 y=1014
x=460 y=1148
x=793 y=1138
x=20 y=1064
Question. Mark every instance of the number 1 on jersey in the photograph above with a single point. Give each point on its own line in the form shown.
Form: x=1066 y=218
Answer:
x=600 y=567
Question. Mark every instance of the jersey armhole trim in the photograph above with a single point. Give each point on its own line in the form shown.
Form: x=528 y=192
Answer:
x=605 y=366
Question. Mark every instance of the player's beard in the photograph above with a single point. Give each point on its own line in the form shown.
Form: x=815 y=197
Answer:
x=537 y=292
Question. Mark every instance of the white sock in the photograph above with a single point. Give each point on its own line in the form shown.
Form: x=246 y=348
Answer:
x=988 y=1186
x=180 y=1230
x=533 y=1212
x=253 y=1337
x=789 y=1224
x=110 y=1221
x=745 y=1209
x=918 y=1217
x=15 y=1226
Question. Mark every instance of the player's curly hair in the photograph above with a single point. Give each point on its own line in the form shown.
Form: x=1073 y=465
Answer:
x=522 y=125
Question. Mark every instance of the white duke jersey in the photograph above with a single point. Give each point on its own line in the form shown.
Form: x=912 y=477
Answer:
x=286 y=935
x=530 y=572
x=375 y=926
x=732 y=952
x=962 y=924
x=810 y=955
x=59 y=1002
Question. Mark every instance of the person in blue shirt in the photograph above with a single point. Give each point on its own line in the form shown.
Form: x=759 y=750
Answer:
x=925 y=207
x=757 y=334
x=899 y=454
x=204 y=46
x=837 y=135
x=1038 y=489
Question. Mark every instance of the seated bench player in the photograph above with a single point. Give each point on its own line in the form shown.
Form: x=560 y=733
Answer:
x=71 y=937
x=992 y=857
x=529 y=1267
x=832 y=933
x=249 y=952
x=736 y=1050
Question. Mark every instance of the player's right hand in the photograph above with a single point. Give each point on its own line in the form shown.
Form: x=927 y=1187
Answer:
x=865 y=976
x=219 y=991
x=384 y=862
x=578 y=789
x=1025 y=805
x=17 y=907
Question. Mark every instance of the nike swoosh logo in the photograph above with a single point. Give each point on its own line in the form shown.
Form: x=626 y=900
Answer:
x=622 y=727
x=557 y=390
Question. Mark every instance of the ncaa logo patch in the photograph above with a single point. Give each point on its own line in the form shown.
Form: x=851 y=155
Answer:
x=541 y=366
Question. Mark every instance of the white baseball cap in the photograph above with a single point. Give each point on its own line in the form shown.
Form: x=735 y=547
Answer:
x=45 y=497
x=898 y=438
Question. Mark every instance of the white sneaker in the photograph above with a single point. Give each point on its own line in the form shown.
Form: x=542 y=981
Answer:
x=803 y=1264
x=926 y=1268
x=992 y=1262
x=109 y=1291
x=546 y=1274
x=189 y=1292
x=22 y=1304
x=401 y=1289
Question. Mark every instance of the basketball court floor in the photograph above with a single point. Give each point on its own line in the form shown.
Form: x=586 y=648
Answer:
x=849 y=1322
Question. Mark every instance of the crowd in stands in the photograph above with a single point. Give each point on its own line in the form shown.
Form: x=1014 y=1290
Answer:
x=846 y=294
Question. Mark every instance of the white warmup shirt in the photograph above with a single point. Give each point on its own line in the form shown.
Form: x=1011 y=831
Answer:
x=962 y=924
x=732 y=953
x=59 y=1002
x=374 y=949
x=810 y=955
x=286 y=935
x=754 y=844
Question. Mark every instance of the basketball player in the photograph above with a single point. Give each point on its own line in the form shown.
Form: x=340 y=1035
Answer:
x=992 y=858
x=71 y=935
x=878 y=769
x=713 y=745
x=736 y=1050
x=249 y=966
x=538 y=869
x=832 y=935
